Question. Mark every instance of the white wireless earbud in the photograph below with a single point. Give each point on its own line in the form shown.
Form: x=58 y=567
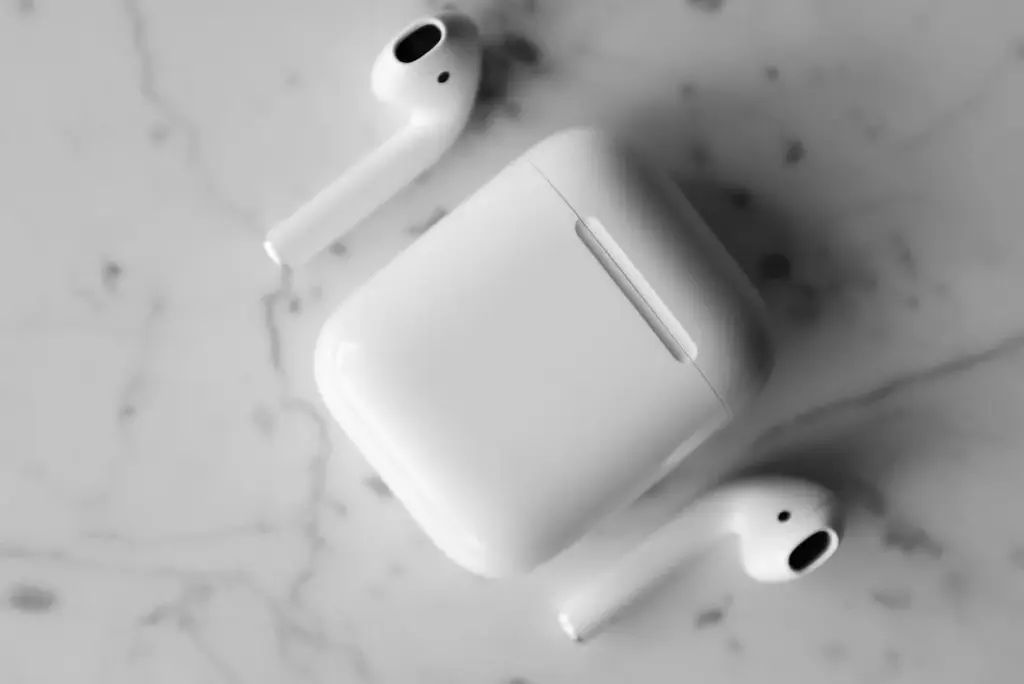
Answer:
x=432 y=70
x=786 y=528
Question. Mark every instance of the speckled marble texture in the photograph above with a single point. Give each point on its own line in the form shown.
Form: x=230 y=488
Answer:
x=175 y=506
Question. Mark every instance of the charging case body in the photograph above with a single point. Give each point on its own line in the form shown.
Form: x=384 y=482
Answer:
x=545 y=353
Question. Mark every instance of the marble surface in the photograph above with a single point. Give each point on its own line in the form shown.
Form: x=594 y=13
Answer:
x=175 y=506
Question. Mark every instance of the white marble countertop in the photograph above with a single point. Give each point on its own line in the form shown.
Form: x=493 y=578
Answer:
x=175 y=506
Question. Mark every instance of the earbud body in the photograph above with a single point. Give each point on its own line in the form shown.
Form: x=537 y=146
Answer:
x=785 y=528
x=431 y=70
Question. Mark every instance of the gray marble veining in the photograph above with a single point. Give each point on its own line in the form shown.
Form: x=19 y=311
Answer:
x=175 y=504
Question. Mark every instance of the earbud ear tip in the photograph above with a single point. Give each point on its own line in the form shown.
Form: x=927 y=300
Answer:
x=812 y=551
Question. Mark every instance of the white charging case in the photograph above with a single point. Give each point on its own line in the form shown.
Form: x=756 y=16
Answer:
x=535 y=361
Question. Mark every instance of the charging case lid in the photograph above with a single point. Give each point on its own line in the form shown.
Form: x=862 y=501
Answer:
x=531 y=363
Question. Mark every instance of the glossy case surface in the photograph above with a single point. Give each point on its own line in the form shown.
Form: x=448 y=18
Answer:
x=530 y=364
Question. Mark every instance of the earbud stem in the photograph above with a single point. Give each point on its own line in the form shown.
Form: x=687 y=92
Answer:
x=639 y=571
x=340 y=206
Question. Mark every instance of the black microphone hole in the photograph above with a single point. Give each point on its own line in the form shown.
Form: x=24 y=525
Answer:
x=442 y=77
